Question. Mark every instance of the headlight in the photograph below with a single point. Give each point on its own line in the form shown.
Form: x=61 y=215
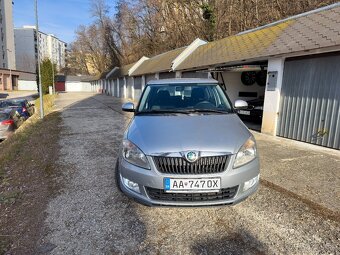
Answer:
x=134 y=155
x=246 y=154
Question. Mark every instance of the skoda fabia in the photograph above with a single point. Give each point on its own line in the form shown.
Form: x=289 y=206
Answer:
x=186 y=146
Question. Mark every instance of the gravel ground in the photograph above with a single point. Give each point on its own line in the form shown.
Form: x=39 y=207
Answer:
x=90 y=215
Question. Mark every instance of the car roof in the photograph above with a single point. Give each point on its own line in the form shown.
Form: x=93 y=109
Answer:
x=182 y=80
x=17 y=100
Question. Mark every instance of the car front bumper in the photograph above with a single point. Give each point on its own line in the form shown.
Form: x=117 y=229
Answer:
x=230 y=178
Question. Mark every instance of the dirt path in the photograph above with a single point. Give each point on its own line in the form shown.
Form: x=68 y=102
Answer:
x=90 y=215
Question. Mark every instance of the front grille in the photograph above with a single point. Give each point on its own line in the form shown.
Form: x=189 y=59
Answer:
x=160 y=194
x=204 y=165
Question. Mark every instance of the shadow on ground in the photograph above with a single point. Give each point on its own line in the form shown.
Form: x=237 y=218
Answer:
x=240 y=242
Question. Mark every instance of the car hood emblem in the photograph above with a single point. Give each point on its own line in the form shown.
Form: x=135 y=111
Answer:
x=191 y=156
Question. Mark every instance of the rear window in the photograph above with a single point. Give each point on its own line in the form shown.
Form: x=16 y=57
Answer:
x=3 y=116
x=15 y=103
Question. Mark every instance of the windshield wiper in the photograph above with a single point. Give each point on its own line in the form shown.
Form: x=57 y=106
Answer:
x=208 y=110
x=163 y=111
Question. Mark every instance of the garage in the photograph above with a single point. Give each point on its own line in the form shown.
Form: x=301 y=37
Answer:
x=194 y=75
x=245 y=82
x=137 y=87
x=309 y=105
x=121 y=87
x=167 y=75
x=129 y=87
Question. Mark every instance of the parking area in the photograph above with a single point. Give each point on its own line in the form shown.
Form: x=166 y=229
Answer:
x=295 y=211
x=15 y=108
x=29 y=95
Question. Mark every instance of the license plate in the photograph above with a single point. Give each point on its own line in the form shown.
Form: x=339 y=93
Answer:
x=192 y=185
x=244 y=112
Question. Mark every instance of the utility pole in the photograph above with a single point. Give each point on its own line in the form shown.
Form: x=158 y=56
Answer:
x=39 y=74
x=10 y=69
x=53 y=77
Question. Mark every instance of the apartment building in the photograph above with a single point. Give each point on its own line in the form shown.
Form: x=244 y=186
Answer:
x=7 y=49
x=27 y=52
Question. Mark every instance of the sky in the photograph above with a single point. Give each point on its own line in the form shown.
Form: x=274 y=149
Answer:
x=58 y=17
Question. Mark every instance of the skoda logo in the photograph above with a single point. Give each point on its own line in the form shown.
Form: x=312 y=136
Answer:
x=191 y=156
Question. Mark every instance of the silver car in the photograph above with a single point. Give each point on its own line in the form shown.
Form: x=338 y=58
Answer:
x=186 y=146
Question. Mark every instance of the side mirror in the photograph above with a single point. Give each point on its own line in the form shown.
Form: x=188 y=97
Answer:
x=241 y=104
x=128 y=107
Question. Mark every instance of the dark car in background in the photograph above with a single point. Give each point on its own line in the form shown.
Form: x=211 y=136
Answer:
x=253 y=112
x=25 y=108
x=10 y=119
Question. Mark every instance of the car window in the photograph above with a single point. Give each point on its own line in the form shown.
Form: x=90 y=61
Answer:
x=187 y=97
x=3 y=116
x=3 y=104
x=15 y=103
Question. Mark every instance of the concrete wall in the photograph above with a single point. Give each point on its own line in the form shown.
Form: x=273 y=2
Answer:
x=7 y=47
x=272 y=98
x=27 y=85
x=77 y=86
x=25 y=49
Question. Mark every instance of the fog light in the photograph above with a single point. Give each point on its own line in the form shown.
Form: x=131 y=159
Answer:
x=248 y=184
x=131 y=185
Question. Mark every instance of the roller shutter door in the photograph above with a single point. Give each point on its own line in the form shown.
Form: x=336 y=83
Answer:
x=168 y=75
x=310 y=95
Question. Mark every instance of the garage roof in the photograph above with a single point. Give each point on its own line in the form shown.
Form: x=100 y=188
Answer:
x=78 y=78
x=121 y=71
x=312 y=30
x=159 y=63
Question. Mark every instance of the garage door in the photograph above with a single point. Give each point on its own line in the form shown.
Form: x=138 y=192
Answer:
x=149 y=77
x=138 y=87
x=121 y=87
x=309 y=106
x=168 y=75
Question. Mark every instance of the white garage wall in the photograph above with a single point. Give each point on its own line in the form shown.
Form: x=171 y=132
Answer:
x=77 y=86
x=234 y=85
x=27 y=85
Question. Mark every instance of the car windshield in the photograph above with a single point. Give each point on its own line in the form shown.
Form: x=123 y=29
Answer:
x=184 y=98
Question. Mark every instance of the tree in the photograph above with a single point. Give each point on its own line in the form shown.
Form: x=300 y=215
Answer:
x=47 y=74
x=150 y=27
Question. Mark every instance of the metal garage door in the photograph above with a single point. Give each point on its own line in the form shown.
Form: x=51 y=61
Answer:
x=149 y=77
x=129 y=87
x=138 y=87
x=168 y=75
x=310 y=95
x=121 y=87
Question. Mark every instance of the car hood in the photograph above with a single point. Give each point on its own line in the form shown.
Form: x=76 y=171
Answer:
x=211 y=133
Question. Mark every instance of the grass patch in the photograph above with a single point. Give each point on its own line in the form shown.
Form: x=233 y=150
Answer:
x=27 y=179
x=48 y=104
x=11 y=148
x=9 y=197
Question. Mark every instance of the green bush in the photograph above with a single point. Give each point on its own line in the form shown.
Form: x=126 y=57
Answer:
x=46 y=74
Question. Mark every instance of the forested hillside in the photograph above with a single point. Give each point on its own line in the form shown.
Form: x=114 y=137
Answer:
x=123 y=32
